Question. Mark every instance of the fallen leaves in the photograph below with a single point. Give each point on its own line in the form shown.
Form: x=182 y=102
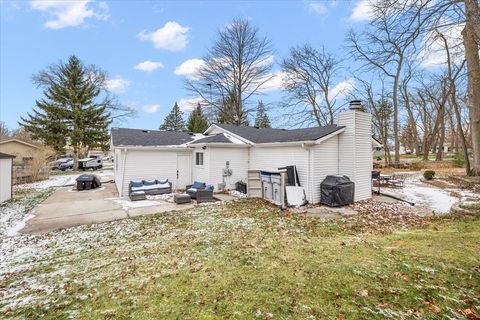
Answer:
x=469 y=313
x=433 y=308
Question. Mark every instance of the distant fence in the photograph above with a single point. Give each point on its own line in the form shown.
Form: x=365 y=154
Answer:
x=26 y=175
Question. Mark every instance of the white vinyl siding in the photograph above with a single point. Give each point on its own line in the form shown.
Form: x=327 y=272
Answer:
x=324 y=162
x=148 y=164
x=5 y=179
x=238 y=159
x=355 y=151
x=264 y=158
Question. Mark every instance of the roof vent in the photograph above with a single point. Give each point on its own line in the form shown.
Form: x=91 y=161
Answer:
x=356 y=105
x=146 y=131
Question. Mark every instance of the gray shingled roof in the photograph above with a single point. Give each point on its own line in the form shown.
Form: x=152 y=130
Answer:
x=6 y=156
x=267 y=135
x=219 y=138
x=137 y=137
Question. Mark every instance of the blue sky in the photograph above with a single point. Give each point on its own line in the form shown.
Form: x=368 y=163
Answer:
x=147 y=47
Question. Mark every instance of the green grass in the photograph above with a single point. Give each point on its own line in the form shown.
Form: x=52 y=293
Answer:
x=248 y=260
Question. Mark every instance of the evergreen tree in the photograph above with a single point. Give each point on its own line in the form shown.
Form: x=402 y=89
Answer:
x=73 y=111
x=174 y=120
x=197 y=122
x=262 y=120
x=231 y=114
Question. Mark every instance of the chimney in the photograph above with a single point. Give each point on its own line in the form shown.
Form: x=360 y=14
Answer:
x=356 y=105
x=355 y=148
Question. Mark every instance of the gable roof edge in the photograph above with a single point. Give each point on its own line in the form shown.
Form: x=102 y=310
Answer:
x=213 y=125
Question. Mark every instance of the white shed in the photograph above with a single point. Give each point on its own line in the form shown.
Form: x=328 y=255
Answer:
x=6 y=170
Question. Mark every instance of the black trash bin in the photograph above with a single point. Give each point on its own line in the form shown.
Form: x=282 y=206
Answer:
x=87 y=182
x=337 y=191
x=241 y=186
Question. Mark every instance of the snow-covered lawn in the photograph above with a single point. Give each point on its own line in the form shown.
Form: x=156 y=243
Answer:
x=244 y=259
x=14 y=213
x=61 y=180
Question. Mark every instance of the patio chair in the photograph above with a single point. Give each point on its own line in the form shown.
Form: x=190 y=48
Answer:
x=200 y=192
x=398 y=180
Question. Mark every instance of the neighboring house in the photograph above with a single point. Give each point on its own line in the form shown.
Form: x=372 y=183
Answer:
x=23 y=151
x=6 y=168
x=344 y=149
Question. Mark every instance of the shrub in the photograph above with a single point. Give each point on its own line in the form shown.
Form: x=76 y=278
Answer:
x=379 y=158
x=429 y=174
x=458 y=160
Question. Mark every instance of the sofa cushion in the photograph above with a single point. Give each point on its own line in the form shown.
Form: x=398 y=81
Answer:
x=192 y=190
x=149 y=182
x=162 y=181
x=198 y=185
x=209 y=188
x=163 y=185
x=136 y=183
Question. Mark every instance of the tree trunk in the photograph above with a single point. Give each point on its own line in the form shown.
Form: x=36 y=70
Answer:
x=75 y=157
x=473 y=76
x=395 y=120
x=441 y=138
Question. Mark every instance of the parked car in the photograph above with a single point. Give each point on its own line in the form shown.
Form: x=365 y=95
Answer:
x=57 y=163
x=68 y=165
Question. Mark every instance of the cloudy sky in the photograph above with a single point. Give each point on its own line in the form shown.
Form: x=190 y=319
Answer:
x=149 y=47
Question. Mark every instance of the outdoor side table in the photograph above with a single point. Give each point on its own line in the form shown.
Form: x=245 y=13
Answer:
x=181 y=198
x=138 y=195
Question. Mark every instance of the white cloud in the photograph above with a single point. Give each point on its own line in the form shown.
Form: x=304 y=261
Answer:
x=148 y=66
x=341 y=90
x=151 y=108
x=64 y=13
x=433 y=53
x=276 y=81
x=117 y=84
x=318 y=7
x=362 y=11
x=172 y=36
x=188 y=104
x=189 y=68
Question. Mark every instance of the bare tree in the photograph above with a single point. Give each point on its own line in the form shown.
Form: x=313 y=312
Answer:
x=454 y=71
x=4 y=130
x=378 y=104
x=471 y=41
x=238 y=65
x=308 y=81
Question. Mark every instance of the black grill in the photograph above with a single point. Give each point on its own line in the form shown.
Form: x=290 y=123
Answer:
x=337 y=191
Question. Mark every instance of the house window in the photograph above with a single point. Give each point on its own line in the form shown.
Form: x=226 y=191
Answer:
x=199 y=158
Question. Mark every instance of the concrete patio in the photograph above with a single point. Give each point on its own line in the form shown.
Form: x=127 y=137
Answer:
x=67 y=207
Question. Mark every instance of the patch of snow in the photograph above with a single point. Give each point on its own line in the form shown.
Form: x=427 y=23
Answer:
x=165 y=197
x=13 y=231
x=127 y=204
x=62 y=180
x=237 y=194
x=439 y=200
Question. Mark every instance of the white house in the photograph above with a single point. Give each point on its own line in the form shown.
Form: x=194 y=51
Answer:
x=6 y=167
x=345 y=149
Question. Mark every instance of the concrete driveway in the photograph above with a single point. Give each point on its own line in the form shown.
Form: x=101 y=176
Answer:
x=67 y=208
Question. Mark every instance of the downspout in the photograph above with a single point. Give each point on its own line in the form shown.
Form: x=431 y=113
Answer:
x=309 y=172
x=123 y=171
